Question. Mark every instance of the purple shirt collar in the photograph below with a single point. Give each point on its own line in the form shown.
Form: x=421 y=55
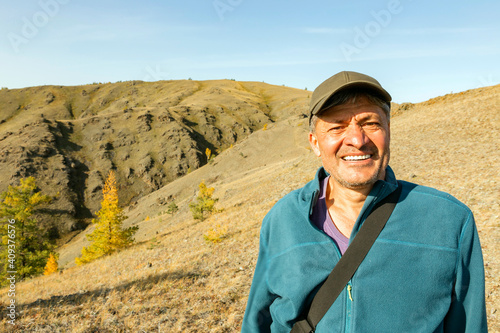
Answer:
x=321 y=219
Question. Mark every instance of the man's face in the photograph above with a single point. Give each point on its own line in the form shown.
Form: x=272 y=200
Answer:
x=353 y=143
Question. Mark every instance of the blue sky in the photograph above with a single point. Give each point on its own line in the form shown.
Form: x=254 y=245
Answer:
x=417 y=49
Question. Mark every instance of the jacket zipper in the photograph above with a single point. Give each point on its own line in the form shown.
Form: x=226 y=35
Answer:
x=349 y=301
x=349 y=298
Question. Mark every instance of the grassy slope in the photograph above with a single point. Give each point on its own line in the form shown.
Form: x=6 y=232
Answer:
x=174 y=281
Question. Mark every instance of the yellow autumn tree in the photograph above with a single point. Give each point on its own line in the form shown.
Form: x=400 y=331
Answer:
x=108 y=235
x=24 y=244
x=204 y=204
x=51 y=266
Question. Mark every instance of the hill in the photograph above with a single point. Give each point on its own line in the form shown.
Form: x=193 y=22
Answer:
x=151 y=133
x=174 y=280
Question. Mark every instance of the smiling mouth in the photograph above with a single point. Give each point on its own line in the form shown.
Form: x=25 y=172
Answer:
x=356 y=158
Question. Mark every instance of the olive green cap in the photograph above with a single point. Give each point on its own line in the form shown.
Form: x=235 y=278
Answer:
x=341 y=81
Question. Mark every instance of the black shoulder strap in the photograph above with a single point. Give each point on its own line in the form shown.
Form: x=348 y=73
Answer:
x=348 y=263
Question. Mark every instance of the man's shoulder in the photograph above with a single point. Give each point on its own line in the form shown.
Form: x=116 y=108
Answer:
x=298 y=198
x=295 y=206
x=287 y=224
x=430 y=196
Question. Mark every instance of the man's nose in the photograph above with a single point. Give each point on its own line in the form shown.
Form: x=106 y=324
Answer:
x=355 y=136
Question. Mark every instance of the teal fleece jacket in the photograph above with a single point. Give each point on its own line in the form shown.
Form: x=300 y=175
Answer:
x=424 y=273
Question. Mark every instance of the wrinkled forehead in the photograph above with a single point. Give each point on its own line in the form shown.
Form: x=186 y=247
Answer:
x=359 y=109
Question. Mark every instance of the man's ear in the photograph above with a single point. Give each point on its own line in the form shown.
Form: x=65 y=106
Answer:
x=313 y=141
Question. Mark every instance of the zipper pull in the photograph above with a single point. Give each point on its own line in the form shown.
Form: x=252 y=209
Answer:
x=349 y=289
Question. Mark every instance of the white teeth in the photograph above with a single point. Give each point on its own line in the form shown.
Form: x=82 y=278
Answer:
x=356 y=158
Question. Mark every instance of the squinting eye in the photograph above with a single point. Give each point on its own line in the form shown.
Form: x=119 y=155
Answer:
x=336 y=129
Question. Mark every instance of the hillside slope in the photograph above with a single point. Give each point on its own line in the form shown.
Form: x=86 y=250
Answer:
x=173 y=280
x=151 y=133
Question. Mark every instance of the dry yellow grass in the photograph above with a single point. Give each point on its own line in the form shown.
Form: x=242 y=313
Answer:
x=175 y=281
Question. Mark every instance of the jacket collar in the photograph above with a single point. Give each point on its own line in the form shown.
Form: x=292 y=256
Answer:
x=380 y=190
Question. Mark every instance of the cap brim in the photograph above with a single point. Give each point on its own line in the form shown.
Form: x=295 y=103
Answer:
x=361 y=84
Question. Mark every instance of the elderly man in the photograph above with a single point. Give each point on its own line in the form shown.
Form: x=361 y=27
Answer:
x=424 y=272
